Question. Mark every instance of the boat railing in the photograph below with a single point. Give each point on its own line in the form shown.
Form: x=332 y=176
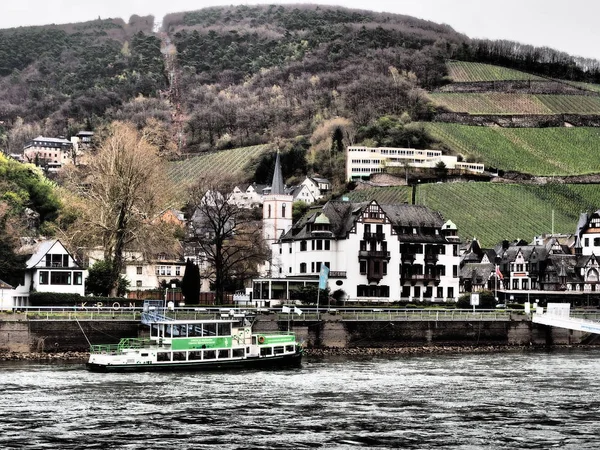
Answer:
x=124 y=344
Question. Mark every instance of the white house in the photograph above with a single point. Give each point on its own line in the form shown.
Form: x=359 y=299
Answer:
x=375 y=253
x=7 y=294
x=301 y=193
x=51 y=268
x=363 y=161
x=247 y=196
x=144 y=274
x=319 y=187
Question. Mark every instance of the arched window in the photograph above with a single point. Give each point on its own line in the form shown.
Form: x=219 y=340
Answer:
x=302 y=267
x=593 y=276
x=283 y=210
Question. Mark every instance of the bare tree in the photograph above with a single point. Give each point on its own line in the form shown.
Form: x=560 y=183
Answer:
x=227 y=238
x=121 y=198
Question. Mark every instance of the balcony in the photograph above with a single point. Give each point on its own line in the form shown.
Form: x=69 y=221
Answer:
x=431 y=258
x=368 y=236
x=408 y=258
x=374 y=277
x=374 y=254
x=424 y=277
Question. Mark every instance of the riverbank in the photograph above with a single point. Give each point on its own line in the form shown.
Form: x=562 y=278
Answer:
x=319 y=352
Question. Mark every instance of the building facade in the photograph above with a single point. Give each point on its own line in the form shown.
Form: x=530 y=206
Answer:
x=52 y=153
x=375 y=253
x=364 y=161
x=51 y=268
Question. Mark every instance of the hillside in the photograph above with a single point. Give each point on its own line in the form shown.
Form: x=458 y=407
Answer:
x=231 y=84
x=492 y=212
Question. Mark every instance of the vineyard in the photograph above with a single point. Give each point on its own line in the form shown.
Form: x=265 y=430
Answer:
x=493 y=212
x=385 y=196
x=471 y=72
x=537 y=151
x=515 y=104
x=234 y=163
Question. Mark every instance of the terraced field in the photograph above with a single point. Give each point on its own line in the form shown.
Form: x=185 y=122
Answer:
x=386 y=196
x=461 y=71
x=516 y=104
x=493 y=212
x=537 y=151
x=226 y=163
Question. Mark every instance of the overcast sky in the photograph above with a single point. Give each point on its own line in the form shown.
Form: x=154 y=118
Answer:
x=570 y=26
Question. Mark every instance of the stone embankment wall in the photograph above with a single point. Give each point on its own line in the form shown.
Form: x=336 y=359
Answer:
x=17 y=334
x=20 y=335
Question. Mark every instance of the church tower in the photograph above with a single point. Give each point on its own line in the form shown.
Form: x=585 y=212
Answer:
x=277 y=211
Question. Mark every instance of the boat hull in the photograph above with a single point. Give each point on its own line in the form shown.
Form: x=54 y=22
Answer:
x=272 y=362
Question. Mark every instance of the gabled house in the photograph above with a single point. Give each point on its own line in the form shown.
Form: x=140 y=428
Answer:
x=587 y=235
x=319 y=187
x=7 y=301
x=375 y=253
x=301 y=193
x=146 y=273
x=248 y=195
x=51 y=268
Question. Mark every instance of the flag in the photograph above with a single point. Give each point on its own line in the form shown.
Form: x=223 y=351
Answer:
x=286 y=309
x=297 y=310
x=498 y=273
x=323 y=275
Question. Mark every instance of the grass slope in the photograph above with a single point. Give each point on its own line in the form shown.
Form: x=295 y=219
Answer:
x=502 y=103
x=231 y=164
x=492 y=212
x=384 y=196
x=538 y=151
x=461 y=72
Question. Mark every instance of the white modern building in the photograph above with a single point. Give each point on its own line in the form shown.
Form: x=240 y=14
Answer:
x=363 y=161
x=375 y=253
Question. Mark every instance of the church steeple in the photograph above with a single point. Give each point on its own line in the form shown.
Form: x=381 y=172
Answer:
x=277 y=187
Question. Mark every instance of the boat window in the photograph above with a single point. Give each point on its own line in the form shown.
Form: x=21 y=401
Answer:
x=209 y=354
x=224 y=329
x=209 y=329
x=178 y=356
x=194 y=330
x=289 y=348
x=238 y=352
x=163 y=356
x=223 y=354
x=278 y=350
x=144 y=354
x=195 y=356
x=266 y=351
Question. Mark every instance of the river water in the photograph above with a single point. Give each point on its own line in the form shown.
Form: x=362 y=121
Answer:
x=526 y=400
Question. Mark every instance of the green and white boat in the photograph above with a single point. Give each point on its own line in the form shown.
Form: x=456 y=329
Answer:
x=212 y=344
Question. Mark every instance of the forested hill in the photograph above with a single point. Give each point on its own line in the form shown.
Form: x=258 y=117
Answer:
x=60 y=79
x=228 y=77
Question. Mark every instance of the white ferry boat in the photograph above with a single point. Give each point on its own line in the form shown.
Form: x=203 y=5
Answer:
x=212 y=344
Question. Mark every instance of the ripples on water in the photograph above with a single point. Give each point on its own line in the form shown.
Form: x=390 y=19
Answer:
x=497 y=401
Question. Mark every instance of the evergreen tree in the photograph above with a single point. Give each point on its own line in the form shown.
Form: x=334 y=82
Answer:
x=190 y=284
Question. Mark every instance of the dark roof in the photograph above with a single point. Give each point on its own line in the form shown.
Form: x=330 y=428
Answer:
x=342 y=217
x=277 y=187
x=477 y=272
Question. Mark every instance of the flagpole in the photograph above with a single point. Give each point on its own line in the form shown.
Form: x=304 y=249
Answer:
x=318 y=294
